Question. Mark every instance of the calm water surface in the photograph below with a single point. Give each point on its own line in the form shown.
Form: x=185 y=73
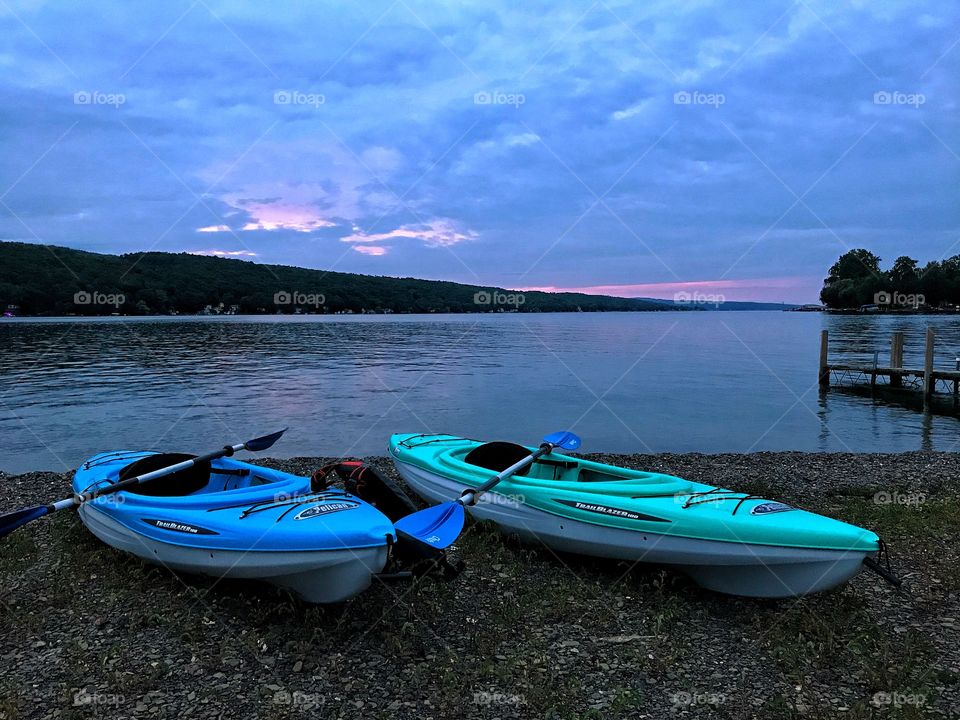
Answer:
x=630 y=382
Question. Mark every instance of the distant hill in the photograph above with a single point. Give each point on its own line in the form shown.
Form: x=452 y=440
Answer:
x=48 y=280
x=726 y=305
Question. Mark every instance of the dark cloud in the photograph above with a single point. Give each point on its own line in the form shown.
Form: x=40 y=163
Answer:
x=622 y=145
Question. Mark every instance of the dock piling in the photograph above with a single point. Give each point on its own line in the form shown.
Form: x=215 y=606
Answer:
x=956 y=385
x=928 y=381
x=824 y=368
x=896 y=359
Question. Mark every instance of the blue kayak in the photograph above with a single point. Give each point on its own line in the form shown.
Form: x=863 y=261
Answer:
x=230 y=519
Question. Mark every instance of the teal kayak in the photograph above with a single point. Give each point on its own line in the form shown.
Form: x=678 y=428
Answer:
x=725 y=540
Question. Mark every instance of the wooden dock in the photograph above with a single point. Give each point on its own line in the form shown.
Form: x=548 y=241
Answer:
x=927 y=380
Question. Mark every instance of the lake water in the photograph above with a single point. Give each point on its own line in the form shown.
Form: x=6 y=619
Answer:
x=630 y=382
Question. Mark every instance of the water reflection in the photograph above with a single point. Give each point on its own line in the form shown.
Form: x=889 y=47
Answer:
x=708 y=382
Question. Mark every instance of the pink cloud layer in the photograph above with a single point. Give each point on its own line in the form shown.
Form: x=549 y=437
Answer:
x=774 y=289
x=224 y=253
x=374 y=250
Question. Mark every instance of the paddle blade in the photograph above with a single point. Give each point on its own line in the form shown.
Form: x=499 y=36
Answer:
x=262 y=443
x=563 y=439
x=438 y=526
x=18 y=518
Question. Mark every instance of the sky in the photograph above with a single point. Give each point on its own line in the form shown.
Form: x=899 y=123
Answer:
x=634 y=149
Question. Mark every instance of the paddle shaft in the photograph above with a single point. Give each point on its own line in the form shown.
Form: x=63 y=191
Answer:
x=81 y=498
x=18 y=518
x=469 y=497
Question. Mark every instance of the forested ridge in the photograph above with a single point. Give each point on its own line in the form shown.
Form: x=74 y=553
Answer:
x=48 y=280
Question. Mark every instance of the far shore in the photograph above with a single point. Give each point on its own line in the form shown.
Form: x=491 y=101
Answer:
x=359 y=313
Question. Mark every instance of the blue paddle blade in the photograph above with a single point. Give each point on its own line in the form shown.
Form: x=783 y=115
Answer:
x=563 y=439
x=18 y=518
x=438 y=526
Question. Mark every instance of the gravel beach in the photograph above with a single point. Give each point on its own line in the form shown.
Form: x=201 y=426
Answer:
x=522 y=633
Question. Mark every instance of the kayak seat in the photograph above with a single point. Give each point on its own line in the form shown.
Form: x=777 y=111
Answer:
x=588 y=475
x=497 y=456
x=185 y=482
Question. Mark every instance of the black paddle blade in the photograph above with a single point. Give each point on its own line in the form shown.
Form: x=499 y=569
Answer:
x=18 y=518
x=262 y=443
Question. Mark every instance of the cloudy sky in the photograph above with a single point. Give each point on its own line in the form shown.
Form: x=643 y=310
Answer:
x=635 y=149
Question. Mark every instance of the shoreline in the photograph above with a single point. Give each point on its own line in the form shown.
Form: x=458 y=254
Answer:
x=521 y=633
x=402 y=313
x=722 y=464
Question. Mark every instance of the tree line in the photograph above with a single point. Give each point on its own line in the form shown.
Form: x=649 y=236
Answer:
x=856 y=279
x=48 y=280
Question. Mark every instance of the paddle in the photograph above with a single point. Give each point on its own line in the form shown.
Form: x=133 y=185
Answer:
x=440 y=525
x=18 y=518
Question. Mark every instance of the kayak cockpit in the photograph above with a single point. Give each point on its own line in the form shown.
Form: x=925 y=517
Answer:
x=219 y=476
x=199 y=481
x=556 y=468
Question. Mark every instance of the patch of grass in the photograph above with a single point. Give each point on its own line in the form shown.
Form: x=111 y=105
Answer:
x=143 y=681
x=667 y=608
x=70 y=537
x=837 y=635
x=625 y=700
x=927 y=519
x=803 y=632
x=781 y=708
x=760 y=488
x=20 y=551
x=10 y=704
x=554 y=695
x=950 y=576
x=894 y=661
